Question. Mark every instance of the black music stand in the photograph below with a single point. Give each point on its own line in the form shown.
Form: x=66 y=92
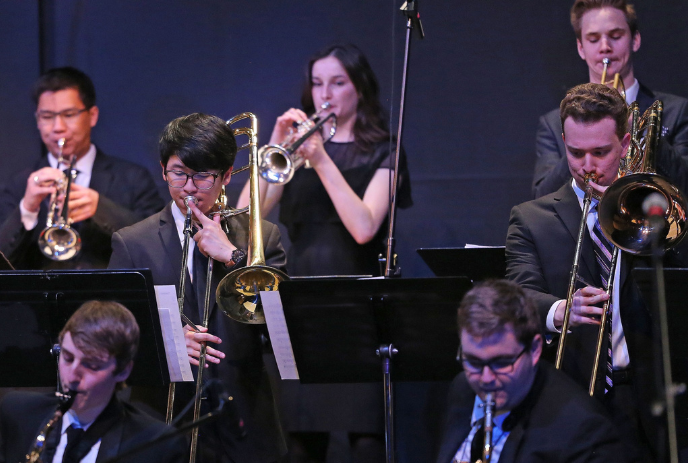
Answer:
x=477 y=264
x=35 y=305
x=341 y=331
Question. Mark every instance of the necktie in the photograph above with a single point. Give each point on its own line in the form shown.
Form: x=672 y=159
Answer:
x=478 y=443
x=200 y=270
x=603 y=254
x=74 y=435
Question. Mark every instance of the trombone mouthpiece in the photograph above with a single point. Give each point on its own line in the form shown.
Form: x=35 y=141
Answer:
x=190 y=199
x=605 y=61
x=590 y=177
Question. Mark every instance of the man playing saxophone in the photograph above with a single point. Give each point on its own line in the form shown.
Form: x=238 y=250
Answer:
x=196 y=156
x=538 y=413
x=106 y=194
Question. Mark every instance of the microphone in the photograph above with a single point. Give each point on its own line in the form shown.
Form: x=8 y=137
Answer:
x=654 y=207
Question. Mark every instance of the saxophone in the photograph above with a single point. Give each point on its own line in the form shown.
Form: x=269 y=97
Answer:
x=65 y=402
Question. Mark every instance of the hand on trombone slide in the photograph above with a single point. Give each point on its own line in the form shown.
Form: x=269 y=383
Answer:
x=193 y=345
x=583 y=309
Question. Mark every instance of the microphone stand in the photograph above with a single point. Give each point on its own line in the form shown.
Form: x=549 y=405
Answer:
x=410 y=10
x=667 y=399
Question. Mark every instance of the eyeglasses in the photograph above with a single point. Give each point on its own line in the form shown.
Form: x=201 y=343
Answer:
x=68 y=116
x=498 y=365
x=202 y=180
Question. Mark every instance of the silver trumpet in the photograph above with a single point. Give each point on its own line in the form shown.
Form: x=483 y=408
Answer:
x=277 y=163
x=58 y=240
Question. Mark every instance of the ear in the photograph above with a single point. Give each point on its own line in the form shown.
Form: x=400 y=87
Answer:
x=163 y=170
x=636 y=41
x=581 y=51
x=124 y=374
x=227 y=177
x=536 y=348
x=94 y=112
x=625 y=143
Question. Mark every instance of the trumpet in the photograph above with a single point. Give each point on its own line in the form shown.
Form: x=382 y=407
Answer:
x=58 y=240
x=279 y=162
x=617 y=83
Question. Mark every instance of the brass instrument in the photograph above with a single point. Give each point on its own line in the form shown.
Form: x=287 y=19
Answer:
x=58 y=241
x=487 y=445
x=573 y=277
x=238 y=293
x=620 y=210
x=65 y=403
x=279 y=162
x=617 y=83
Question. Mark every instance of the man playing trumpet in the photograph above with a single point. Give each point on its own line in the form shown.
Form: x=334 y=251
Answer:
x=540 y=248
x=196 y=155
x=107 y=193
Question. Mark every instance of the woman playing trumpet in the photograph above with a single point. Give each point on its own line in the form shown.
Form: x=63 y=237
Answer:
x=334 y=214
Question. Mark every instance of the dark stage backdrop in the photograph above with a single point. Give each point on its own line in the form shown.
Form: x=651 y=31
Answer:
x=478 y=82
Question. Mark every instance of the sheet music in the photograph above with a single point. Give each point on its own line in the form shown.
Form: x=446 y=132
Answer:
x=173 y=334
x=279 y=335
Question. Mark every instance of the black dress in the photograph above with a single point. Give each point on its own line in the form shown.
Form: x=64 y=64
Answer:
x=321 y=245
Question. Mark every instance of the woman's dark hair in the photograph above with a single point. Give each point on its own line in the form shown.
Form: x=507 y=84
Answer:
x=370 y=126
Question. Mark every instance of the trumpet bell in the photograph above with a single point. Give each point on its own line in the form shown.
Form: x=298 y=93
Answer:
x=276 y=164
x=238 y=293
x=59 y=242
x=624 y=222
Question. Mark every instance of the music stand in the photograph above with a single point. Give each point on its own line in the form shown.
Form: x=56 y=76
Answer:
x=475 y=263
x=343 y=330
x=35 y=305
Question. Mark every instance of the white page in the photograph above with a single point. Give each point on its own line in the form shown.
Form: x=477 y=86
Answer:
x=279 y=335
x=173 y=334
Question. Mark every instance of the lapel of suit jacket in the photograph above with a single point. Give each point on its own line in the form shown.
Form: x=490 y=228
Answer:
x=645 y=98
x=101 y=175
x=569 y=210
x=458 y=431
x=169 y=239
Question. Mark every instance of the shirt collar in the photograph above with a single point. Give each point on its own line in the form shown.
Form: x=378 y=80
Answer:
x=632 y=92
x=83 y=165
x=70 y=418
x=581 y=195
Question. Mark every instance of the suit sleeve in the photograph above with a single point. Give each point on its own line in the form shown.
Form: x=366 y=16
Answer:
x=15 y=240
x=523 y=264
x=274 y=252
x=144 y=201
x=551 y=166
x=672 y=161
x=120 y=257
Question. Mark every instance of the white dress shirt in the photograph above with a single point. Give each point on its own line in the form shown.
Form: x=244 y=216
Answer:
x=68 y=419
x=499 y=436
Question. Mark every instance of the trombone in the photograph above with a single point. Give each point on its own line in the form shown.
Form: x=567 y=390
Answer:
x=58 y=240
x=279 y=162
x=617 y=83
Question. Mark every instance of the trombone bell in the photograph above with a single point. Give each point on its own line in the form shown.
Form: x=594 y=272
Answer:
x=238 y=294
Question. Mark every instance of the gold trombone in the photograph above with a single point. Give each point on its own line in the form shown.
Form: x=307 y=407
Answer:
x=617 y=83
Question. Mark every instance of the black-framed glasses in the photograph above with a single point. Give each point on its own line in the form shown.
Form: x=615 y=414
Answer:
x=202 y=180
x=68 y=116
x=499 y=365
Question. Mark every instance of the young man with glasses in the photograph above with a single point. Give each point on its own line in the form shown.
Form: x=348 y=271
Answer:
x=196 y=155
x=106 y=195
x=539 y=414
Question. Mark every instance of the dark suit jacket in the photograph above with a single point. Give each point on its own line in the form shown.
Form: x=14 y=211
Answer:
x=540 y=247
x=154 y=243
x=556 y=422
x=23 y=415
x=551 y=166
x=127 y=195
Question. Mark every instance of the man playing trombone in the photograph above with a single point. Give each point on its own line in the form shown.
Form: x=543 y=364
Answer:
x=196 y=155
x=608 y=29
x=106 y=194
x=540 y=248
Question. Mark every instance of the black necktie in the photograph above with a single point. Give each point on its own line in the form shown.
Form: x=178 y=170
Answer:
x=200 y=275
x=478 y=442
x=74 y=436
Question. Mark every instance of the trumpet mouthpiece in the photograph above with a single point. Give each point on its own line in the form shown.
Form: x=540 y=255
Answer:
x=61 y=142
x=325 y=105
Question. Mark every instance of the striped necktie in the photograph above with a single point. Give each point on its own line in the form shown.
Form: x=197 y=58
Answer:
x=603 y=254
